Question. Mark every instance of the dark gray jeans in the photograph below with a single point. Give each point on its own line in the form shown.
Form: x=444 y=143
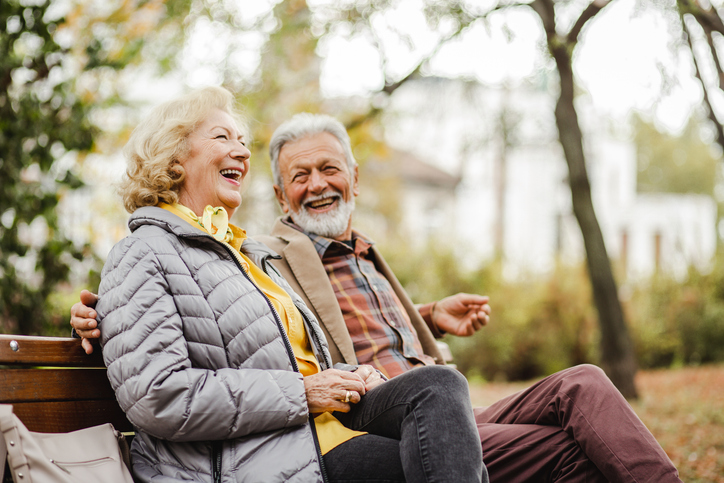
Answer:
x=421 y=429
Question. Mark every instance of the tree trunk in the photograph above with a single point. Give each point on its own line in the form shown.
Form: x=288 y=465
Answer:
x=617 y=355
x=500 y=179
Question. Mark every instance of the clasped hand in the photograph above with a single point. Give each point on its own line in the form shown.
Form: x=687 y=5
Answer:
x=327 y=390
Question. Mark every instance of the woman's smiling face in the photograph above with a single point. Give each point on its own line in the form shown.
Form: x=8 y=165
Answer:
x=215 y=166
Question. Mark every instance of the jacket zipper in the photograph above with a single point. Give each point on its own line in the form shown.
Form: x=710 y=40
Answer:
x=216 y=450
x=327 y=362
x=322 y=466
x=292 y=359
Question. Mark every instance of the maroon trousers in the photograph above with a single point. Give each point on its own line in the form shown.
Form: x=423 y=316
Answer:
x=573 y=426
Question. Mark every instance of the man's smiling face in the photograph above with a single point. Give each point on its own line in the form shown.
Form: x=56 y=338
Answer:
x=319 y=188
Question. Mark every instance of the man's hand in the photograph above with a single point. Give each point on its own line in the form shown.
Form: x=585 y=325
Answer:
x=83 y=319
x=461 y=314
x=327 y=390
x=370 y=376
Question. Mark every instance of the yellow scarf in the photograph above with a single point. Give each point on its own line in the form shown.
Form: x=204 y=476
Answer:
x=214 y=221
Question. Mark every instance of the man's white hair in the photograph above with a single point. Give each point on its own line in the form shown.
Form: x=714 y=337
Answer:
x=302 y=125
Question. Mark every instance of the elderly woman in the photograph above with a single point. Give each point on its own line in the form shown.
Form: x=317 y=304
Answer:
x=217 y=362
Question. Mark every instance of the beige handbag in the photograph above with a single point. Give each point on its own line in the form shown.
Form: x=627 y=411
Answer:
x=91 y=455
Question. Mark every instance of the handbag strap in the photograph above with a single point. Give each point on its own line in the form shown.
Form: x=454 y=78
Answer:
x=3 y=457
x=10 y=427
x=6 y=411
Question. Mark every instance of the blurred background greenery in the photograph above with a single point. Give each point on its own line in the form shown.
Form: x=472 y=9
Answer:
x=541 y=325
x=75 y=75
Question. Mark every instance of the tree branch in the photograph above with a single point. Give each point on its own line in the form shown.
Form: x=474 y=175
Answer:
x=546 y=12
x=715 y=55
x=391 y=87
x=707 y=102
x=362 y=118
x=590 y=12
x=708 y=17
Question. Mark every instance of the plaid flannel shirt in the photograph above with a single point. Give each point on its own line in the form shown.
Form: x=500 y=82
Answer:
x=380 y=328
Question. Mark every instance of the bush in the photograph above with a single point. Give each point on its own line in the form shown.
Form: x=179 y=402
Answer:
x=679 y=323
x=539 y=325
x=543 y=324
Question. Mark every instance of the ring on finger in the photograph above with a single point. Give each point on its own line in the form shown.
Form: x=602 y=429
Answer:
x=347 y=396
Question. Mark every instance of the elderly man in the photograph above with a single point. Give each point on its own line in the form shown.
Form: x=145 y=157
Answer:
x=571 y=426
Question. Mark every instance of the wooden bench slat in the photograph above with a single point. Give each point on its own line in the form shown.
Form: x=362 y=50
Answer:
x=54 y=386
x=64 y=416
x=20 y=385
x=47 y=351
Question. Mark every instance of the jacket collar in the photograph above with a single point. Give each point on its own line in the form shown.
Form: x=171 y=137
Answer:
x=153 y=215
x=308 y=270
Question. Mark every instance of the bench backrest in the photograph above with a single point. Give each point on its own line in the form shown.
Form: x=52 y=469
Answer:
x=54 y=386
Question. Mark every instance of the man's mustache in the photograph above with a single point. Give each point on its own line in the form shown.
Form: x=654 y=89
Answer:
x=330 y=194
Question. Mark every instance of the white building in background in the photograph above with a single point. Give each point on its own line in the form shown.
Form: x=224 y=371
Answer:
x=528 y=209
x=429 y=201
x=424 y=196
x=668 y=231
x=448 y=161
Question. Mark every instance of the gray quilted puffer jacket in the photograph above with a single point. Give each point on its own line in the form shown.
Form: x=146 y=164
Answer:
x=200 y=362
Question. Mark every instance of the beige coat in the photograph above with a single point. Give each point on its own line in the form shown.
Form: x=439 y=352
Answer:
x=301 y=266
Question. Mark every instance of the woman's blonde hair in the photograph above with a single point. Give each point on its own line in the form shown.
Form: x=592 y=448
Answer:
x=158 y=144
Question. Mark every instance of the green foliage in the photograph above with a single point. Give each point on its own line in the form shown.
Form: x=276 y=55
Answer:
x=54 y=72
x=58 y=74
x=285 y=83
x=544 y=324
x=433 y=272
x=288 y=77
x=674 y=164
x=679 y=323
x=40 y=121
x=538 y=326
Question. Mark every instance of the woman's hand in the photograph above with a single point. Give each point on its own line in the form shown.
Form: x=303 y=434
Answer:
x=370 y=376
x=327 y=390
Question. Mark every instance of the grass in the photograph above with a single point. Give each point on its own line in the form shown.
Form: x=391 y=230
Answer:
x=683 y=408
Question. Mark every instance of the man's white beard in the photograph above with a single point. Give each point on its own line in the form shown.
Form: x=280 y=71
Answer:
x=330 y=224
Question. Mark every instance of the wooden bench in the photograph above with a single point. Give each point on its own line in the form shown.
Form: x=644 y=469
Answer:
x=54 y=386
